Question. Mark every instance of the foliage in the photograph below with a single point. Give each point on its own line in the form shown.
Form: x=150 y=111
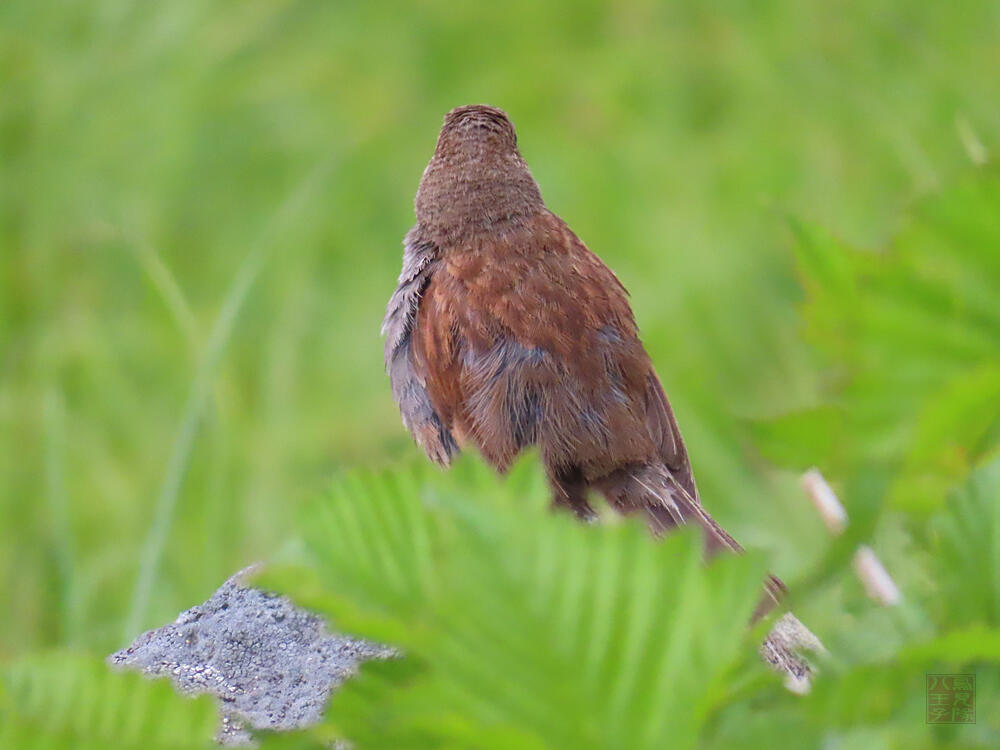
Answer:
x=967 y=552
x=67 y=700
x=872 y=694
x=520 y=628
x=524 y=629
x=910 y=340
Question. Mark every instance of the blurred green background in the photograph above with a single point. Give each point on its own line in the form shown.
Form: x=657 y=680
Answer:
x=201 y=207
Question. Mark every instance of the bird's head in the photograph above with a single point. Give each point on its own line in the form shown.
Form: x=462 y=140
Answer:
x=476 y=179
x=476 y=131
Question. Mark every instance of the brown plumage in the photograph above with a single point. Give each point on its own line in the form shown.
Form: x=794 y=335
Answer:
x=505 y=331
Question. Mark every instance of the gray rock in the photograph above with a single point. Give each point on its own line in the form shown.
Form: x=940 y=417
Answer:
x=269 y=664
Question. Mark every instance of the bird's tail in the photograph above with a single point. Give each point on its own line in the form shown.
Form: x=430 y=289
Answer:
x=666 y=503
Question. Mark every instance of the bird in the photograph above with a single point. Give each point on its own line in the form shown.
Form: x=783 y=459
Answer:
x=505 y=331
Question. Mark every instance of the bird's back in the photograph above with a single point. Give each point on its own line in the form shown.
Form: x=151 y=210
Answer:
x=527 y=337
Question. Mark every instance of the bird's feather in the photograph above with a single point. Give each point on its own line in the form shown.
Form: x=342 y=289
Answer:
x=408 y=386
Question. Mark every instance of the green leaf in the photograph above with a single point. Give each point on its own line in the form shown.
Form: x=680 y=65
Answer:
x=64 y=700
x=964 y=645
x=909 y=338
x=520 y=627
x=953 y=431
x=968 y=551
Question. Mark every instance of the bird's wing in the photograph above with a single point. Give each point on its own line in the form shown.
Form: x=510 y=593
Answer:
x=408 y=385
x=667 y=436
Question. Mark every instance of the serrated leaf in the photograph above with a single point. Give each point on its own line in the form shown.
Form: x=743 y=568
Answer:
x=910 y=339
x=540 y=631
x=968 y=550
x=63 y=700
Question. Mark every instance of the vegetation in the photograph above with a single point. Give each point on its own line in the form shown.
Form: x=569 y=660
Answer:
x=200 y=216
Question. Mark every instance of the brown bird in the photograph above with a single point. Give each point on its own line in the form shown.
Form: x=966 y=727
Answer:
x=505 y=331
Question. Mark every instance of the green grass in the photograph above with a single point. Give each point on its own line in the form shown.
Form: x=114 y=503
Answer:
x=150 y=258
